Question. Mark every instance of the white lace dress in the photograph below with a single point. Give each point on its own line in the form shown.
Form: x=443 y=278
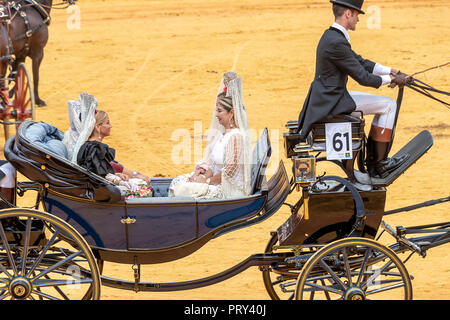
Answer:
x=227 y=157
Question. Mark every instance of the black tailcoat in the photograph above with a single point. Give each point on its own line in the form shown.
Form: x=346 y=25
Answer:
x=328 y=95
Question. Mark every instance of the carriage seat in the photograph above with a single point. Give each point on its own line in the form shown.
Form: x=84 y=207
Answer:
x=317 y=135
x=260 y=159
x=37 y=152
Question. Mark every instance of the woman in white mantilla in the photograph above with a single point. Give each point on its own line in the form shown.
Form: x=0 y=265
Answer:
x=84 y=143
x=225 y=171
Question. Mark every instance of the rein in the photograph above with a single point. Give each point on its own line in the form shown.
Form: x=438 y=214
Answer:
x=425 y=89
x=56 y=5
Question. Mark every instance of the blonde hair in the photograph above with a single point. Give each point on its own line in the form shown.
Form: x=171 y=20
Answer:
x=100 y=117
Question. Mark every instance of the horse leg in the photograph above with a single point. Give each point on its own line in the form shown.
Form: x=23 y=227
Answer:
x=36 y=63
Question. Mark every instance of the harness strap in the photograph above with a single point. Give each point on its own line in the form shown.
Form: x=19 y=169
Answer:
x=45 y=16
x=36 y=5
x=29 y=32
x=417 y=206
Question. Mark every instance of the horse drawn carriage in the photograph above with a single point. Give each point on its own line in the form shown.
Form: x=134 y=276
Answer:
x=326 y=248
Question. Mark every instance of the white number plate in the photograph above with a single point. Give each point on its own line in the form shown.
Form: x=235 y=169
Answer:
x=338 y=140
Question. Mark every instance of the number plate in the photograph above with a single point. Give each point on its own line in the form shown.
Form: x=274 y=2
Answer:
x=338 y=140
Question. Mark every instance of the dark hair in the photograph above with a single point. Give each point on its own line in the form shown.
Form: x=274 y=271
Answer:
x=224 y=101
x=338 y=10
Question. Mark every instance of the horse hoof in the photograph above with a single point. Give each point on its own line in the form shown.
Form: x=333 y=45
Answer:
x=41 y=104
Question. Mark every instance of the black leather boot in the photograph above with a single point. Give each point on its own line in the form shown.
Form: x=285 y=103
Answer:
x=377 y=161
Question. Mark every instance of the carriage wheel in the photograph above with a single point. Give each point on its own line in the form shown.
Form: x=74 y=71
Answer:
x=24 y=103
x=354 y=269
x=279 y=280
x=42 y=257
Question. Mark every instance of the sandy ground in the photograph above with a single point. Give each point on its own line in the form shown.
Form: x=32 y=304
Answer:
x=155 y=66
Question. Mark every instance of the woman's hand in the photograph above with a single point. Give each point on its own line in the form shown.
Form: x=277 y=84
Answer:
x=197 y=178
x=122 y=176
x=199 y=170
x=143 y=177
x=201 y=179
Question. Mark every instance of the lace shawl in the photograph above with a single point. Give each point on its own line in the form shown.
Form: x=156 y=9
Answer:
x=236 y=174
x=82 y=123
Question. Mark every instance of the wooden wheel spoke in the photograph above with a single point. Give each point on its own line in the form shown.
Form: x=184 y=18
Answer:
x=376 y=274
x=43 y=252
x=56 y=265
x=323 y=287
x=347 y=267
x=25 y=247
x=8 y=252
x=332 y=274
x=363 y=266
x=44 y=295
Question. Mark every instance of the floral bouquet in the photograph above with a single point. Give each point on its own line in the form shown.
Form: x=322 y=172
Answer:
x=144 y=191
x=135 y=188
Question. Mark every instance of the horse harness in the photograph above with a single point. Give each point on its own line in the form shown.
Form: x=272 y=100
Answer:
x=18 y=7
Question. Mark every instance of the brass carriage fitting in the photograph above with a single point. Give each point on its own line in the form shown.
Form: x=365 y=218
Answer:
x=304 y=165
x=128 y=220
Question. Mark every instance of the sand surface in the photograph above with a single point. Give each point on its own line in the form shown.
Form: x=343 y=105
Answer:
x=155 y=67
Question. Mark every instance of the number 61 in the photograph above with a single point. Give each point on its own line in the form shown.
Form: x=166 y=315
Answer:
x=338 y=143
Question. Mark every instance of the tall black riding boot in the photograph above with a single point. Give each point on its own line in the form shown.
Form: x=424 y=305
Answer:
x=377 y=161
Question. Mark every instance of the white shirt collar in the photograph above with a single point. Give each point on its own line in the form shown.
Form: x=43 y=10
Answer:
x=341 y=28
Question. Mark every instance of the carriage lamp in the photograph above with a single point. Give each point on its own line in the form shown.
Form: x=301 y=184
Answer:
x=304 y=172
x=304 y=165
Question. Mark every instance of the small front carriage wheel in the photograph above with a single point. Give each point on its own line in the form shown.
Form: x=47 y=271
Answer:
x=354 y=269
x=24 y=103
x=43 y=257
x=22 y=99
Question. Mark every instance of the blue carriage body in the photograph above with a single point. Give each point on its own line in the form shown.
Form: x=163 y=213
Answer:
x=139 y=230
x=156 y=225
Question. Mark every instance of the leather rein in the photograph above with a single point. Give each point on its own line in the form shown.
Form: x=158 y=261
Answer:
x=425 y=89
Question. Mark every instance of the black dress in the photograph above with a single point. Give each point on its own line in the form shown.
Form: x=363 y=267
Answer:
x=96 y=157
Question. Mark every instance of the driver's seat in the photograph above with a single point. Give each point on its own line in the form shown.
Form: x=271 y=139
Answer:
x=317 y=140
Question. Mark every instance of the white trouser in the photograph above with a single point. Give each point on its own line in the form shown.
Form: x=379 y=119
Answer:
x=9 y=180
x=383 y=108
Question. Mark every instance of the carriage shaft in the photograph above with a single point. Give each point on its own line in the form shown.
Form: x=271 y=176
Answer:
x=256 y=260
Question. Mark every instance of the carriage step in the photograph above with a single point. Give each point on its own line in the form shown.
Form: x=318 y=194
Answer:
x=416 y=148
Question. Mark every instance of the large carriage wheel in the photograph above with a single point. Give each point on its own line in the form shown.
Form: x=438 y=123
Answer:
x=354 y=269
x=23 y=100
x=279 y=279
x=43 y=257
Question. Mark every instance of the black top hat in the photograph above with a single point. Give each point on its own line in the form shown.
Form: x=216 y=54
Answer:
x=352 y=4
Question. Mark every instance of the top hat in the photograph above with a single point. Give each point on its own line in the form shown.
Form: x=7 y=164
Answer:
x=352 y=4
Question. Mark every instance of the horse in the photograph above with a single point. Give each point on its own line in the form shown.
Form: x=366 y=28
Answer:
x=28 y=34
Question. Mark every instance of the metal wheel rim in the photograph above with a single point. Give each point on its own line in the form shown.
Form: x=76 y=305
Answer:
x=353 y=277
x=47 y=268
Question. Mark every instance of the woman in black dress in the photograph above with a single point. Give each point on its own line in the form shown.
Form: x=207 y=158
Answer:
x=98 y=157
